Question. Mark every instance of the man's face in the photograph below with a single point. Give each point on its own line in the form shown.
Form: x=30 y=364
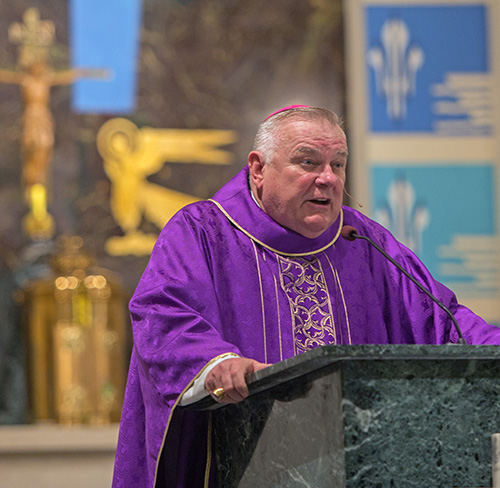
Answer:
x=302 y=186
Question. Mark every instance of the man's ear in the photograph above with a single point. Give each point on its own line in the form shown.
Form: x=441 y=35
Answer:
x=256 y=166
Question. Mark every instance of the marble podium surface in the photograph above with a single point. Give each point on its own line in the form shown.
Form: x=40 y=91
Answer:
x=364 y=416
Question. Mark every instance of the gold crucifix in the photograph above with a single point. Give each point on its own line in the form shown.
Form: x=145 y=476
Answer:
x=35 y=79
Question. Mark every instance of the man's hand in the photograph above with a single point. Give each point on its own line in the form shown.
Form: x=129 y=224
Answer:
x=230 y=375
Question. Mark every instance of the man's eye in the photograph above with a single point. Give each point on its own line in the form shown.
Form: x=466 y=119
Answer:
x=307 y=162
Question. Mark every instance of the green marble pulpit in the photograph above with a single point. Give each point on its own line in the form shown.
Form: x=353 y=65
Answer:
x=364 y=416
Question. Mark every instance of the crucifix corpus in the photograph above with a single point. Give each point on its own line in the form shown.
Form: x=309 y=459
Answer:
x=35 y=79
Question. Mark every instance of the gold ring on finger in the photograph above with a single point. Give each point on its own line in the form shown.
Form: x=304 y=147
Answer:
x=219 y=393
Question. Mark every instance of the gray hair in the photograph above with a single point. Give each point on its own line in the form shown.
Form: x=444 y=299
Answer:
x=265 y=141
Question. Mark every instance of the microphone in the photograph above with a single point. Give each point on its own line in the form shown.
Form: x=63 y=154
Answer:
x=351 y=234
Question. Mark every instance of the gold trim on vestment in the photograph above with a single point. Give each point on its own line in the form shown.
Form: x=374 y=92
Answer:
x=209 y=451
x=261 y=301
x=336 y=276
x=330 y=308
x=282 y=253
x=220 y=356
x=345 y=307
x=279 y=318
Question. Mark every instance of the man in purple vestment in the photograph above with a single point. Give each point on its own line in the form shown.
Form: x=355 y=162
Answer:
x=256 y=275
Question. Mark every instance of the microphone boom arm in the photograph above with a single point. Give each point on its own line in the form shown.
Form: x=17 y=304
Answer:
x=354 y=235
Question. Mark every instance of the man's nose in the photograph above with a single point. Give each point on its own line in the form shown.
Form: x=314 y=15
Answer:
x=327 y=177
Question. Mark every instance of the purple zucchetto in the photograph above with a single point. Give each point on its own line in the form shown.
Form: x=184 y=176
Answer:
x=284 y=109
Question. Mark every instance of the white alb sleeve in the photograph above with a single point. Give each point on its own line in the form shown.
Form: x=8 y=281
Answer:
x=197 y=390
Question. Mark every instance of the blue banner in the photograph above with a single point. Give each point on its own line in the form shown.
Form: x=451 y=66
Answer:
x=445 y=213
x=104 y=35
x=424 y=128
x=429 y=70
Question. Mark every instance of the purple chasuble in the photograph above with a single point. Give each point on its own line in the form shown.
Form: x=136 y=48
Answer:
x=224 y=277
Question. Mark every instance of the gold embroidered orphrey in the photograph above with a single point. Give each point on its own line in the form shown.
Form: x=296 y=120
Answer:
x=303 y=281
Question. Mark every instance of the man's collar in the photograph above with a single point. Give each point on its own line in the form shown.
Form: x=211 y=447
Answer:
x=238 y=204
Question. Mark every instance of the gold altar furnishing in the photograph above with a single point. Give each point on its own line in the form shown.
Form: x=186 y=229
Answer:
x=76 y=346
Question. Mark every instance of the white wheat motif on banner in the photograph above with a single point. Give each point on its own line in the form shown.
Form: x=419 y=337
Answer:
x=403 y=214
x=395 y=64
